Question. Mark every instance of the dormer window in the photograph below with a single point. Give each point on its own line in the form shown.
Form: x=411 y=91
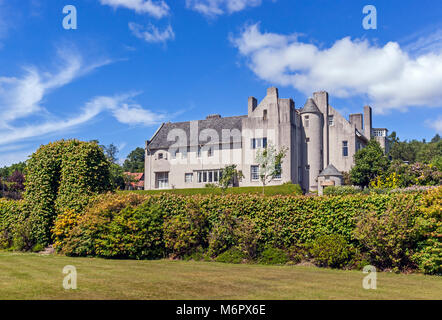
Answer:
x=331 y=120
x=264 y=116
x=210 y=152
x=160 y=156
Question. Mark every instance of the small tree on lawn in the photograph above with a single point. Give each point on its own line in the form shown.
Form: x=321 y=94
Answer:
x=270 y=163
x=229 y=175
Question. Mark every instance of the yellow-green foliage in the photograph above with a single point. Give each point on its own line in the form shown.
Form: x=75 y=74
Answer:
x=390 y=181
x=386 y=228
x=429 y=257
x=60 y=176
x=13 y=225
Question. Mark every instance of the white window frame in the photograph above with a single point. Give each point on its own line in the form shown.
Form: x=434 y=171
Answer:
x=254 y=173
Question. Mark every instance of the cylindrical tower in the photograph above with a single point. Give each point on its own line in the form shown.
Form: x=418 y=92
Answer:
x=312 y=128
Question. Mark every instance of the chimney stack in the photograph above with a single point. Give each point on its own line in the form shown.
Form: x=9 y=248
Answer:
x=367 y=122
x=253 y=103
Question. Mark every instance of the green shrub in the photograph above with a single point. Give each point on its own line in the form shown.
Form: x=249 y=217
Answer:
x=62 y=175
x=222 y=235
x=390 y=237
x=331 y=251
x=273 y=256
x=184 y=233
x=247 y=237
x=14 y=225
x=209 y=225
x=429 y=249
x=341 y=190
x=233 y=255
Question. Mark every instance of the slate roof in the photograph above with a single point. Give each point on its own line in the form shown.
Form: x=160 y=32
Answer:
x=330 y=171
x=310 y=107
x=159 y=140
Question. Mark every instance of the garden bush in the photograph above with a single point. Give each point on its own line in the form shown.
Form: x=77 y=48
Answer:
x=388 y=230
x=61 y=176
x=233 y=255
x=14 y=225
x=331 y=251
x=273 y=256
x=184 y=233
x=429 y=253
x=390 y=237
x=341 y=190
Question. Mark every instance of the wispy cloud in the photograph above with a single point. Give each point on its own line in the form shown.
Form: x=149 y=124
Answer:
x=157 y=9
x=23 y=98
x=152 y=34
x=388 y=75
x=213 y=8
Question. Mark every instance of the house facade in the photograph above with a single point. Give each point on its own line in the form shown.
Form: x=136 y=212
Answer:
x=192 y=154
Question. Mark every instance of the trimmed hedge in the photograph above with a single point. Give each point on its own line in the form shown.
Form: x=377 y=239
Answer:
x=62 y=175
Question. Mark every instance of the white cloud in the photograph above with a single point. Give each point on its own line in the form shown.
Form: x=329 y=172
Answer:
x=388 y=75
x=152 y=34
x=435 y=124
x=157 y=9
x=135 y=114
x=213 y=8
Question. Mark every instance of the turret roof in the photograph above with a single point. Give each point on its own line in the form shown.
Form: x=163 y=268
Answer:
x=310 y=107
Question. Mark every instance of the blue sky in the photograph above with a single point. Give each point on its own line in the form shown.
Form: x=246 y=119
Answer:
x=132 y=64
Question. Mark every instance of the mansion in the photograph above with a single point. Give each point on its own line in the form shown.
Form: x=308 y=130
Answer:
x=320 y=142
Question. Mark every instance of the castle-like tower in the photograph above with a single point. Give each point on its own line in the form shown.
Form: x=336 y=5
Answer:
x=312 y=136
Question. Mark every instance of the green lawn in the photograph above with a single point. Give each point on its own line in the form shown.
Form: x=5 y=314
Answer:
x=33 y=276
x=286 y=189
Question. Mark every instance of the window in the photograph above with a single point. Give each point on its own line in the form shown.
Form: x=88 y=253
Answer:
x=160 y=156
x=174 y=154
x=331 y=120
x=307 y=139
x=188 y=178
x=162 y=180
x=257 y=143
x=208 y=176
x=278 y=176
x=210 y=152
x=306 y=121
x=199 y=152
x=264 y=117
x=345 y=148
x=254 y=173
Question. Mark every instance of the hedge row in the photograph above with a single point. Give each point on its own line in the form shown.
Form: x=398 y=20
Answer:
x=398 y=231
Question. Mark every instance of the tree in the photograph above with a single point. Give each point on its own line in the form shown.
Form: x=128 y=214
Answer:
x=369 y=163
x=270 y=163
x=6 y=172
x=111 y=152
x=229 y=175
x=117 y=177
x=135 y=161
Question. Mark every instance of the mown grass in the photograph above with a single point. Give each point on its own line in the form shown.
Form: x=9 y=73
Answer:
x=286 y=189
x=34 y=276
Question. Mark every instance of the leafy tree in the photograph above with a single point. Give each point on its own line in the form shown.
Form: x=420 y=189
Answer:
x=6 y=172
x=369 y=163
x=229 y=175
x=135 y=161
x=435 y=139
x=111 y=152
x=117 y=177
x=270 y=163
